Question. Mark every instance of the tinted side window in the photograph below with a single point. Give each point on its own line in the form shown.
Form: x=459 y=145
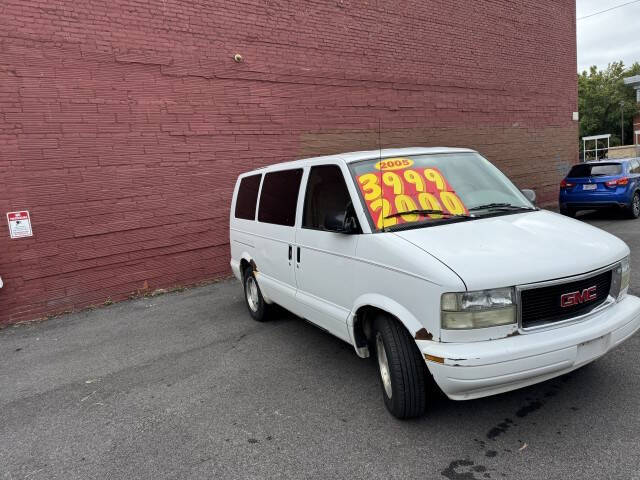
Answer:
x=279 y=197
x=634 y=167
x=247 y=197
x=327 y=196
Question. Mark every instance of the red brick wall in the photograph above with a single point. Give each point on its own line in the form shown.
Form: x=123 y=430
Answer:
x=123 y=124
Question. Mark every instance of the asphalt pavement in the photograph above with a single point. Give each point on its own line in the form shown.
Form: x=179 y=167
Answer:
x=187 y=386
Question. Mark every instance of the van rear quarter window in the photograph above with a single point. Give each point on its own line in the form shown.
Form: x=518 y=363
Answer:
x=247 y=197
x=279 y=197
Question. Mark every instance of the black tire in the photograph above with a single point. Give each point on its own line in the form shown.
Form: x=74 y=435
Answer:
x=408 y=376
x=258 y=309
x=569 y=212
x=633 y=211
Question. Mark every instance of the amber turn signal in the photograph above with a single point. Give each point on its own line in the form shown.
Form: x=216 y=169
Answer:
x=433 y=358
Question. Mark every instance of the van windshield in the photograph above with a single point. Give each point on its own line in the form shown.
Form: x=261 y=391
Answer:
x=441 y=187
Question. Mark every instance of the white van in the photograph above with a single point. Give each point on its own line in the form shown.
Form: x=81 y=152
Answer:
x=433 y=262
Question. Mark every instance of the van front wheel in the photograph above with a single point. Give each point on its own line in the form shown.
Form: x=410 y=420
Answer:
x=403 y=372
x=253 y=296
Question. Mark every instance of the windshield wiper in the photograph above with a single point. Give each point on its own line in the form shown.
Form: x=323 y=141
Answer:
x=427 y=212
x=503 y=206
x=430 y=221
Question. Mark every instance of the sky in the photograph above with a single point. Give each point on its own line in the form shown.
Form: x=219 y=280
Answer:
x=610 y=36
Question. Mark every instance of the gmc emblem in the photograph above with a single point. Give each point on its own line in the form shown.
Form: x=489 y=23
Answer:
x=576 y=298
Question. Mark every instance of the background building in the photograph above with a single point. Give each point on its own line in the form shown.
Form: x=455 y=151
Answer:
x=124 y=124
x=635 y=83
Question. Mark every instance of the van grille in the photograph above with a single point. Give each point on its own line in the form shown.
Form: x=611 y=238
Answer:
x=542 y=305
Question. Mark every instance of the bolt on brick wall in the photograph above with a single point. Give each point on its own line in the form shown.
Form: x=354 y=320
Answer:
x=123 y=124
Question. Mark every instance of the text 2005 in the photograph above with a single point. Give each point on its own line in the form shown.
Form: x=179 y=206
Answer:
x=394 y=164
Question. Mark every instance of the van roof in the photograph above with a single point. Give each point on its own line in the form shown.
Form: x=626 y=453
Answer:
x=399 y=152
x=351 y=157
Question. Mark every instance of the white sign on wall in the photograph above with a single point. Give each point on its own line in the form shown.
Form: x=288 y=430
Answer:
x=19 y=224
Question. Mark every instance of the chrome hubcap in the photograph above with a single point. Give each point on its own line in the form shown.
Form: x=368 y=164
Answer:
x=252 y=294
x=383 y=364
x=636 y=204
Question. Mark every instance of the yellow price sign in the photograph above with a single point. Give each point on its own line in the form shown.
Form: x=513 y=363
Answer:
x=388 y=192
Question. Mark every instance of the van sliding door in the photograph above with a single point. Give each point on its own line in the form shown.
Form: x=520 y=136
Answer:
x=324 y=268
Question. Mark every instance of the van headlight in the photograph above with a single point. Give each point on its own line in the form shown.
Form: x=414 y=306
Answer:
x=479 y=309
x=621 y=279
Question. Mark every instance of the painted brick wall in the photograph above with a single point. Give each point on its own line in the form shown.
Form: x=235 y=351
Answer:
x=123 y=124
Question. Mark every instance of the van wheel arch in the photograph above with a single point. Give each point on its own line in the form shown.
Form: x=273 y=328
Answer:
x=248 y=262
x=362 y=330
x=363 y=335
x=244 y=264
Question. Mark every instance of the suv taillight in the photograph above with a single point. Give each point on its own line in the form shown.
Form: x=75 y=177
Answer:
x=617 y=182
x=565 y=184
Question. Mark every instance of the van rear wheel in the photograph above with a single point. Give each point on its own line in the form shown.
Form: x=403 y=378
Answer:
x=258 y=308
x=403 y=373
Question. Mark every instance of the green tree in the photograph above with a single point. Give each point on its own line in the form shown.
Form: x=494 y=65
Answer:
x=603 y=99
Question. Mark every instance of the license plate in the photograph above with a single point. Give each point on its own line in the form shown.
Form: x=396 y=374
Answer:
x=589 y=187
x=591 y=350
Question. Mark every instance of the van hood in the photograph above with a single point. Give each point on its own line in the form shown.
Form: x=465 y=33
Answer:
x=517 y=249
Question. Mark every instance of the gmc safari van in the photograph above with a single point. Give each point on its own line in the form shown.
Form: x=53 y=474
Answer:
x=432 y=262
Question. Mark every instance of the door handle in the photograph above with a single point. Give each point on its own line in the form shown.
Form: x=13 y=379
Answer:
x=290 y=252
x=298 y=254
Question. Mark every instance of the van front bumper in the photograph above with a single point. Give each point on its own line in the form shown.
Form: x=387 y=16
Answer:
x=479 y=369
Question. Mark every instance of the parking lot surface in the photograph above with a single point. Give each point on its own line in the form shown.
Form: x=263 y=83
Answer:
x=187 y=386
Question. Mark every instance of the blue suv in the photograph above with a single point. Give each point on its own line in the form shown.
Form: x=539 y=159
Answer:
x=603 y=184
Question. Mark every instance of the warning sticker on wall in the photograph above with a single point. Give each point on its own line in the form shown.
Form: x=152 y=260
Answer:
x=19 y=224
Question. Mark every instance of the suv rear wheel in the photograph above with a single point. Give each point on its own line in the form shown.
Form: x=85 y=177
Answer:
x=253 y=296
x=634 y=207
x=403 y=373
x=569 y=212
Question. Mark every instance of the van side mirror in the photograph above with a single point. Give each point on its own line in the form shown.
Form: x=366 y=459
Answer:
x=350 y=224
x=530 y=194
x=334 y=223
x=342 y=222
